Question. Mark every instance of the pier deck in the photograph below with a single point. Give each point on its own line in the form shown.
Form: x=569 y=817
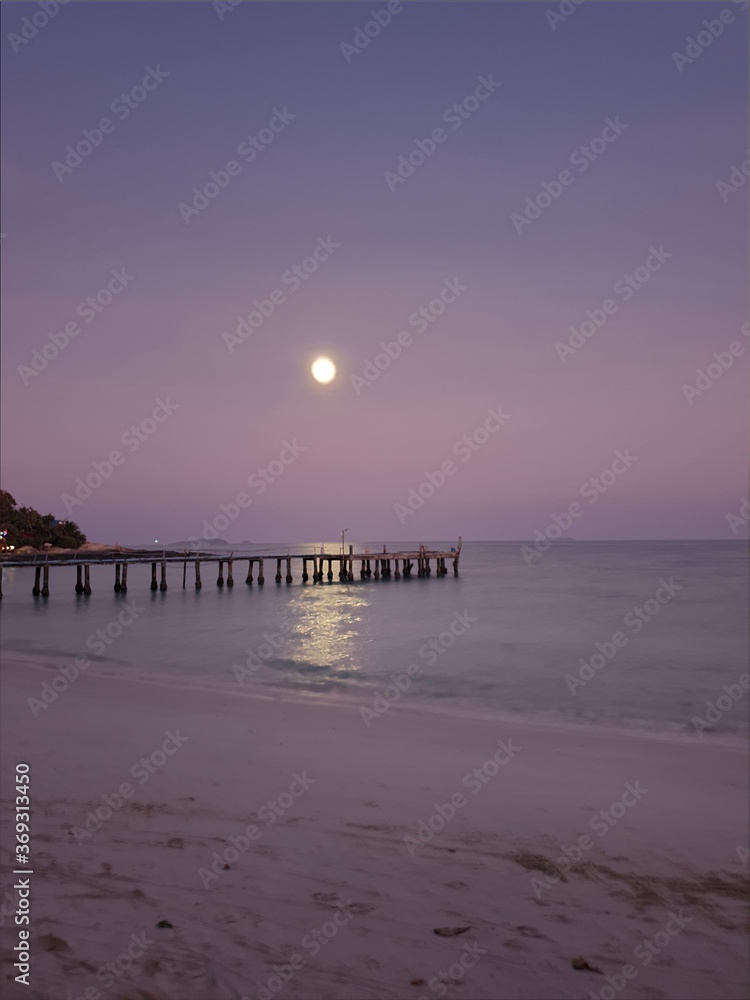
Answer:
x=372 y=564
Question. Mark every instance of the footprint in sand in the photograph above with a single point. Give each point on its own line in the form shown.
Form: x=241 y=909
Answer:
x=332 y=901
x=532 y=932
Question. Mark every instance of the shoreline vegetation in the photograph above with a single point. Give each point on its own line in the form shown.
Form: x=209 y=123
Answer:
x=24 y=528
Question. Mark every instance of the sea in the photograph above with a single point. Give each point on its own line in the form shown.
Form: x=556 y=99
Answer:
x=648 y=639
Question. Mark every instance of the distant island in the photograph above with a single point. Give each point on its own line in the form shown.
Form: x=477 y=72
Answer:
x=24 y=526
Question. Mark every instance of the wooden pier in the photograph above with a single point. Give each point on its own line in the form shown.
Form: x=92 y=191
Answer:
x=372 y=565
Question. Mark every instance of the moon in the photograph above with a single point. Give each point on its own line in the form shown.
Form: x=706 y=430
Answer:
x=323 y=370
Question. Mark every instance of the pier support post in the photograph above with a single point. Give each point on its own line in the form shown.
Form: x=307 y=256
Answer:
x=288 y=569
x=184 y=573
x=362 y=571
x=163 y=584
x=124 y=583
x=230 y=581
x=377 y=569
x=154 y=584
x=351 y=563
x=117 y=578
x=36 y=589
x=330 y=570
x=198 y=583
x=45 y=582
x=86 y=580
x=261 y=578
x=305 y=577
x=397 y=574
x=369 y=569
x=79 y=579
x=278 y=571
x=220 y=579
x=455 y=567
x=249 y=579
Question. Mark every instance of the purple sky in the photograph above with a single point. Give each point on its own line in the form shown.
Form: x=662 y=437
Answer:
x=323 y=175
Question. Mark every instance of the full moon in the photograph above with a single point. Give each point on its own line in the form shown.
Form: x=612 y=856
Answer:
x=323 y=370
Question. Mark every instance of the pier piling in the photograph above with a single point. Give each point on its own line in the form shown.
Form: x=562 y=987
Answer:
x=388 y=564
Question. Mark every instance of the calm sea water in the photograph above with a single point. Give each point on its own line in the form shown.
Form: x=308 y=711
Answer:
x=527 y=629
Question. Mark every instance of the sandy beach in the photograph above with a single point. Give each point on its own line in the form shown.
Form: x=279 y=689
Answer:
x=218 y=845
